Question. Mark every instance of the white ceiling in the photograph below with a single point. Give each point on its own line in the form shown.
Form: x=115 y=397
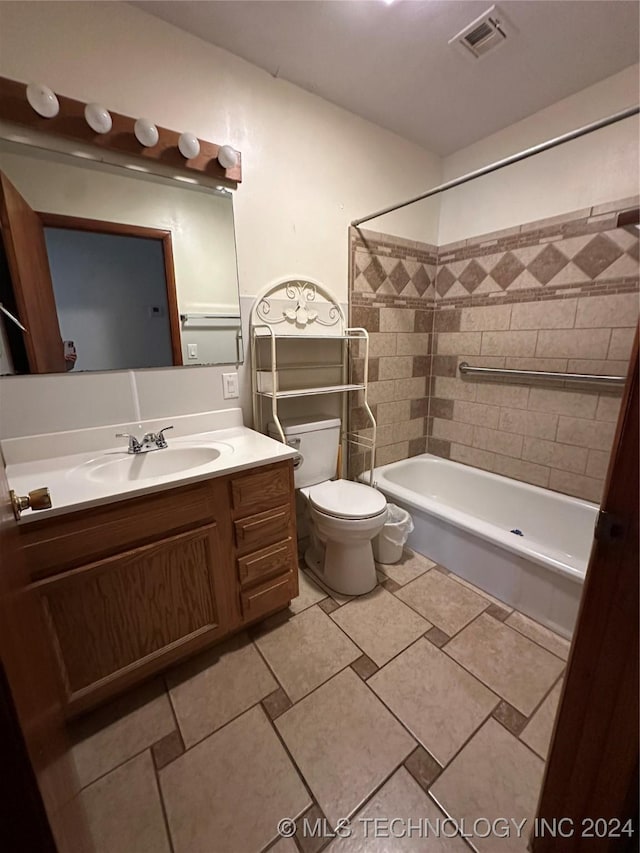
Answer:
x=391 y=64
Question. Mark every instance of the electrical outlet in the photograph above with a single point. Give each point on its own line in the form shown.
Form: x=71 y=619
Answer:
x=192 y=350
x=230 y=386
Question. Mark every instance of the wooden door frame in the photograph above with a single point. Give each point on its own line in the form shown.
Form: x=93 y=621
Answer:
x=122 y=229
x=592 y=769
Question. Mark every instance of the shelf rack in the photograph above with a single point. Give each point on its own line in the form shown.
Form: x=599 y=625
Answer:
x=298 y=308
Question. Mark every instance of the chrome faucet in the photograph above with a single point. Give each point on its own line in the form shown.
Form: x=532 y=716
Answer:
x=150 y=441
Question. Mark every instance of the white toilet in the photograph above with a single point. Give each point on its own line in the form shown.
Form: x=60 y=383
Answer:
x=345 y=516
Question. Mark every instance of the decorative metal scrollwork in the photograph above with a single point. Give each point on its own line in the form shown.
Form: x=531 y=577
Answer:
x=300 y=293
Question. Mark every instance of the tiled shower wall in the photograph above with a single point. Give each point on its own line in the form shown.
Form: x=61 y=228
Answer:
x=559 y=295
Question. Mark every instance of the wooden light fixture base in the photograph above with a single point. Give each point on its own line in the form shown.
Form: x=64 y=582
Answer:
x=70 y=123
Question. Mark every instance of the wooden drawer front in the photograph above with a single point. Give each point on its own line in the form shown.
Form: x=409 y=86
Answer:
x=269 y=596
x=263 y=489
x=263 y=528
x=274 y=560
x=108 y=616
x=63 y=542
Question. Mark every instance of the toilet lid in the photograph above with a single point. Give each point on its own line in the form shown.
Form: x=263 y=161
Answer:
x=344 y=499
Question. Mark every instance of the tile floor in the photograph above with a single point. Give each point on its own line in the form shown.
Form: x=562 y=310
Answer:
x=422 y=701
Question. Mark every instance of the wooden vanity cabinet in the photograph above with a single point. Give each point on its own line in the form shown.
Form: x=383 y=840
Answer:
x=134 y=586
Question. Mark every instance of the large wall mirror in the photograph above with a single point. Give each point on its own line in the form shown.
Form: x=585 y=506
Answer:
x=110 y=268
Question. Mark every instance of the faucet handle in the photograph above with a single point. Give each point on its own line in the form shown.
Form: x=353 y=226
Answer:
x=161 y=441
x=134 y=444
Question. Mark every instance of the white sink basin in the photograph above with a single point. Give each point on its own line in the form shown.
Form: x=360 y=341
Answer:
x=125 y=468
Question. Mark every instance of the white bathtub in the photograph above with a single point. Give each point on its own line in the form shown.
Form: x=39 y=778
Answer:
x=464 y=518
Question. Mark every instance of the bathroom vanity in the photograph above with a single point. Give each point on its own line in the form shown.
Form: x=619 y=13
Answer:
x=135 y=584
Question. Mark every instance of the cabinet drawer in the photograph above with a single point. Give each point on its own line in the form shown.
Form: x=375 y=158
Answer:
x=274 y=560
x=265 y=488
x=263 y=529
x=269 y=596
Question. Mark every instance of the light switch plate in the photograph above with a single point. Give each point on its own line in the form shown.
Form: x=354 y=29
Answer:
x=230 y=386
x=192 y=349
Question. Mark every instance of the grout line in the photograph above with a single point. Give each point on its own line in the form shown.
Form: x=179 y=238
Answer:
x=162 y=804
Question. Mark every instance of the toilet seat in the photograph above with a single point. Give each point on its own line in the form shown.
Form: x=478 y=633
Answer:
x=344 y=499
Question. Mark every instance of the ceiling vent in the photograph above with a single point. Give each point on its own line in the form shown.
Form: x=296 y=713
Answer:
x=483 y=35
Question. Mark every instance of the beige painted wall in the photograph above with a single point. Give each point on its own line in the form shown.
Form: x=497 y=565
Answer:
x=595 y=169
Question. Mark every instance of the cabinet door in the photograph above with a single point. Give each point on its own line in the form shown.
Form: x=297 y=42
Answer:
x=126 y=616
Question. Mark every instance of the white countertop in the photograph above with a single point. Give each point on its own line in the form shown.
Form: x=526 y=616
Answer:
x=73 y=488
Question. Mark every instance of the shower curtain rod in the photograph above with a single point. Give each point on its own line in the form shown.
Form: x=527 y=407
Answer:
x=507 y=161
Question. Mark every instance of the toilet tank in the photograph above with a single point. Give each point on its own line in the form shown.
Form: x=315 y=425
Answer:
x=317 y=438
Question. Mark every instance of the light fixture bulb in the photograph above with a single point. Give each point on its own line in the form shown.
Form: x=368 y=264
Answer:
x=42 y=100
x=146 y=132
x=189 y=145
x=227 y=157
x=98 y=118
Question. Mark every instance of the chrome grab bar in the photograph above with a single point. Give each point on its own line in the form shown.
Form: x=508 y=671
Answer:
x=467 y=369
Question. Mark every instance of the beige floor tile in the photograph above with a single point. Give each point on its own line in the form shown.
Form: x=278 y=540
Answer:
x=211 y=689
x=232 y=789
x=478 y=591
x=436 y=699
x=345 y=742
x=380 y=624
x=285 y=845
x=305 y=651
x=401 y=797
x=309 y=594
x=124 y=812
x=510 y=664
x=120 y=730
x=410 y=567
x=494 y=776
x=447 y=604
x=537 y=732
x=538 y=633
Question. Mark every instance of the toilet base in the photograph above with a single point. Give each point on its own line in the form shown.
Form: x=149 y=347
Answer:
x=347 y=569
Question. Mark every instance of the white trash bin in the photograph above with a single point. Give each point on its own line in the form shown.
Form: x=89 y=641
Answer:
x=388 y=544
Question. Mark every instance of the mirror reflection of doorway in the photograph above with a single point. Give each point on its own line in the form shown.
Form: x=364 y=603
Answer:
x=92 y=295
x=111 y=298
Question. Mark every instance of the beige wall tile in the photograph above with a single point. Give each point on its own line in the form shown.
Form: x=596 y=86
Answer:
x=473 y=456
x=485 y=318
x=396 y=319
x=509 y=343
x=388 y=413
x=498 y=394
x=597 y=464
x=597 y=435
x=453 y=431
x=563 y=402
x=573 y=343
x=410 y=389
x=539 y=424
x=555 y=455
x=621 y=343
x=382 y=343
x=578 y=485
x=616 y=309
x=507 y=443
x=476 y=413
x=458 y=343
x=608 y=408
x=614 y=206
x=552 y=314
x=417 y=343
x=455 y=389
x=394 y=367
x=382 y=392
x=519 y=469
x=392 y=453
x=599 y=366
x=557 y=365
